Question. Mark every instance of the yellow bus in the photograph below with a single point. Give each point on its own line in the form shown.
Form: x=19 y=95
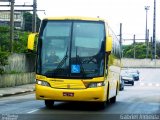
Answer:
x=78 y=59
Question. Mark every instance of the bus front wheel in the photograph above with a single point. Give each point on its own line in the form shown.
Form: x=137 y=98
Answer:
x=49 y=103
x=113 y=99
x=102 y=105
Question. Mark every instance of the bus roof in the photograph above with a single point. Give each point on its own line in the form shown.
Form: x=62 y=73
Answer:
x=74 y=18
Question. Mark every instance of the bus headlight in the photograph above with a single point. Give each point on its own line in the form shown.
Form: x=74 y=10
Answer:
x=95 y=84
x=43 y=83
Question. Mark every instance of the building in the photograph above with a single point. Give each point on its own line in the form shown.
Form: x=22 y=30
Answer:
x=5 y=19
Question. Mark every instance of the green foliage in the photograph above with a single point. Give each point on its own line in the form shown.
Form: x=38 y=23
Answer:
x=158 y=49
x=28 y=22
x=20 y=45
x=140 y=51
x=3 y=60
x=4 y=29
x=4 y=38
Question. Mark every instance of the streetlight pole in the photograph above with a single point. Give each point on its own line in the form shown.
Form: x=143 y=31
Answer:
x=146 y=34
x=147 y=46
x=146 y=31
x=134 y=42
x=154 y=30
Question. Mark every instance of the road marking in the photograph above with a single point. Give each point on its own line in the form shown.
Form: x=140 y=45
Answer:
x=33 y=111
x=141 y=84
x=150 y=84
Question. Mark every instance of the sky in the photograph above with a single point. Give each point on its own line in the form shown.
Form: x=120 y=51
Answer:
x=131 y=13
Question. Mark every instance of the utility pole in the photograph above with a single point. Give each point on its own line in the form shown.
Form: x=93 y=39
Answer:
x=152 y=48
x=146 y=31
x=34 y=16
x=147 y=44
x=12 y=25
x=121 y=48
x=134 y=36
x=154 y=30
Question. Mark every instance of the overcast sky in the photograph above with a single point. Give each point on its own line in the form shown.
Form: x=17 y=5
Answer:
x=130 y=13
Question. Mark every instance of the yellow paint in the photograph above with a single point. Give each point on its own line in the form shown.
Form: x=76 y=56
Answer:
x=31 y=39
x=74 y=18
x=90 y=94
x=109 y=43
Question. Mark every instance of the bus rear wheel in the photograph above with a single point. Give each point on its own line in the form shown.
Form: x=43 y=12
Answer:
x=49 y=103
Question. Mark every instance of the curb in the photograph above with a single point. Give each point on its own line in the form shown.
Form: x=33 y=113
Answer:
x=16 y=93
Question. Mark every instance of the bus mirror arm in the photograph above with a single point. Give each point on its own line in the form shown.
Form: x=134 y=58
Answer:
x=32 y=51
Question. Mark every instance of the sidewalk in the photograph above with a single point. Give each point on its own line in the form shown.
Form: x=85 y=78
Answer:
x=16 y=90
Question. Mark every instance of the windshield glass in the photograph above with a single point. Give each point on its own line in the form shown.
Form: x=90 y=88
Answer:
x=87 y=49
x=72 y=49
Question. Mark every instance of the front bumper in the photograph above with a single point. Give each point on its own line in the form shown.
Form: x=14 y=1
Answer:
x=97 y=94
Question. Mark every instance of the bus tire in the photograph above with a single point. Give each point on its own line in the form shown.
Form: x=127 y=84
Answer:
x=102 y=105
x=107 y=99
x=113 y=99
x=49 y=103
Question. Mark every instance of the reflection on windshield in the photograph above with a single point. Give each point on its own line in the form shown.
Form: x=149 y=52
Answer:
x=83 y=58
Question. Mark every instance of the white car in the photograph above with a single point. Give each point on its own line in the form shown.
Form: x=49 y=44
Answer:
x=128 y=78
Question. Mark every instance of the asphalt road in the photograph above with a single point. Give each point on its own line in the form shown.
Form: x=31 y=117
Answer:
x=141 y=101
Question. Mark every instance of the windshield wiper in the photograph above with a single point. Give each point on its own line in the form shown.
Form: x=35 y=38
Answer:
x=59 y=66
x=63 y=60
x=53 y=72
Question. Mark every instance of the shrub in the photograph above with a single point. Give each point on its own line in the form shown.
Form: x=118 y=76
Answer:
x=3 y=60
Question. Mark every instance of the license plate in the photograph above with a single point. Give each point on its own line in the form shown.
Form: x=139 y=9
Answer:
x=126 y=81
x=70 y=94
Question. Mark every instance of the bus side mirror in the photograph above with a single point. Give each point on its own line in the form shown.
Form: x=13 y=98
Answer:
x=31 y=41
x=109 y=43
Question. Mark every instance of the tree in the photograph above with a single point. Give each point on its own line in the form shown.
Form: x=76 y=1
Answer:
x=28 y=22
x=4 y=49
x=158 y=49
x=4 y=38
x=140 y=51
x=3 y=60
x=20 y=45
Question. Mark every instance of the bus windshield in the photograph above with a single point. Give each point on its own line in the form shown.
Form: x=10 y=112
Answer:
x=70 y=48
